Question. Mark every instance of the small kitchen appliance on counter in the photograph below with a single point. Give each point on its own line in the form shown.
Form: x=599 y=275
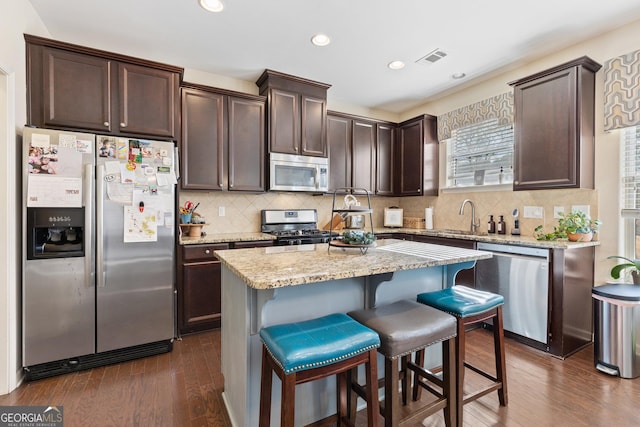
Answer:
x=393 y=217
x=294 y=226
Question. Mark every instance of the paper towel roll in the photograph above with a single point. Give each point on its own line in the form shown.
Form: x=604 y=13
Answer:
x=428 y=218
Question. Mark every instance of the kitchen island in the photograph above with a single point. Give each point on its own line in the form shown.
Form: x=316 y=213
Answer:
x=279 y=284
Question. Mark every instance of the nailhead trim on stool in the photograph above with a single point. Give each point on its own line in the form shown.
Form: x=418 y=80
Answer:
x=471 y=306
x=406 y=327
x=309 y=350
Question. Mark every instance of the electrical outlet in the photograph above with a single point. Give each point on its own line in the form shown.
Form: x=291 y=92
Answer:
x=221 y=211
x=533 y=212
x=557 y=210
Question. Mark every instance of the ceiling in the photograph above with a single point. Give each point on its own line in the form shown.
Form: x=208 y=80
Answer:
x=479 y=38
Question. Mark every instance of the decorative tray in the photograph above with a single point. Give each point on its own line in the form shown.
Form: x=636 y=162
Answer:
x=363 y=247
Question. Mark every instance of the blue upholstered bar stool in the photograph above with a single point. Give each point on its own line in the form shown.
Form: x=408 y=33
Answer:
x=471 y=306
x=406 y=327
x=309 y=350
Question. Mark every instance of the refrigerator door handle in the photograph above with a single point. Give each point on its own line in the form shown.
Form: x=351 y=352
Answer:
x=100 y=276
x=89 y=266
x=176 y=162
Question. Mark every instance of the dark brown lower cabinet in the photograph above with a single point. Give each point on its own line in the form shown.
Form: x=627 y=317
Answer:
x=199 y=285
x=199 y=301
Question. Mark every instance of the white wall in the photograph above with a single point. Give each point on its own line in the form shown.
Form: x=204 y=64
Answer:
x=17 y=18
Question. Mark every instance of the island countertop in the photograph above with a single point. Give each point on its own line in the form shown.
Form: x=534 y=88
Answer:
x=279 y=266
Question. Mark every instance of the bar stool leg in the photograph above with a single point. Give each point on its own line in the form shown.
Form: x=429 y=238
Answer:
x=372 y=389
x=288 y=403
x=391 y=378
x=501 y=367
x=449 y=382
x=459 y=369
x=265 y=390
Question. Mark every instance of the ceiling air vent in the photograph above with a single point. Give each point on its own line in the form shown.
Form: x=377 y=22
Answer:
x=433 y=56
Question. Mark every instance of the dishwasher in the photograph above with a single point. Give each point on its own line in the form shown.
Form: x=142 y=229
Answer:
x=521 y=275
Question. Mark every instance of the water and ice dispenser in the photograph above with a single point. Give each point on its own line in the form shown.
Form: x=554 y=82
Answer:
x=55 y=233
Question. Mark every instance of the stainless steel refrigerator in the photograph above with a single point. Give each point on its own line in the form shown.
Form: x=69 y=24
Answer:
x=98 y=277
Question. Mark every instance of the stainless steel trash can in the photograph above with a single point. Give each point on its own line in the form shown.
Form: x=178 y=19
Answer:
x=616 y=315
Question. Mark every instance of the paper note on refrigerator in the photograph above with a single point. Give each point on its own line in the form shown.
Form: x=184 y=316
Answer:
x=140 y=226
x=54 y=191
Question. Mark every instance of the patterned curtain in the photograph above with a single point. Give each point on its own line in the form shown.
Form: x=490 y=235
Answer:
x=498 y=107
x=622 y=91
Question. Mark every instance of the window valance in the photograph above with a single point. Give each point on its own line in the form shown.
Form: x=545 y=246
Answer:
x=498 y=107
x=622 y=91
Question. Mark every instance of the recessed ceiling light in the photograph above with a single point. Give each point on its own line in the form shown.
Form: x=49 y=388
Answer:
x=212 y=5
x=320 y=39
x=458 y=76
x=396 y=65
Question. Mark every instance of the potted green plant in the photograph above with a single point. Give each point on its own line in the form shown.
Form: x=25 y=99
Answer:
x=632 y=265
x=578 y=226
x=575 y=226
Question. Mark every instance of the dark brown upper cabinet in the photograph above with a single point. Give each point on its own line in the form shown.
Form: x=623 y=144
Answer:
x=416 y=157
x=297 y=111
x=554 y=127
x=74 y=87
x=385 y=140
x=363 y=157
x=223 y=140
x=354 y=157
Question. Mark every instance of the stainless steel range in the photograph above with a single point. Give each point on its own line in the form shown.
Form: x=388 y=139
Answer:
x=294 y=226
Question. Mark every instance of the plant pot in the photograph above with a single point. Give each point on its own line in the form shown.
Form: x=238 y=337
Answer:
x=580 y=237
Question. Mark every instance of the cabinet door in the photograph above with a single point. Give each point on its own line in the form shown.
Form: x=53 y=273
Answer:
x=203 y=147
x=339 y=144
x=546 y=142
x=384 y=165
x=363 y=155
x=75 y=91
x=201 y=298
x=409 y=158
x=246 y=133
x=147 y=100
x=284 y=119
x=313 y=126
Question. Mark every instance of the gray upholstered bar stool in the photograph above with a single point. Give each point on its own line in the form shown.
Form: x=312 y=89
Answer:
x=406 y=327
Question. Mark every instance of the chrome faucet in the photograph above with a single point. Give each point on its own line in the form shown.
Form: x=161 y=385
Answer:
x=474 y=224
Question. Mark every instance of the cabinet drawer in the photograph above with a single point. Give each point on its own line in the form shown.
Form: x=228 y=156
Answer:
x=252 y=244
x=199 y=252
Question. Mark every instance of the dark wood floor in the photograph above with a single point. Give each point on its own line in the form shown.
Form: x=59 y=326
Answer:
x=183 y=388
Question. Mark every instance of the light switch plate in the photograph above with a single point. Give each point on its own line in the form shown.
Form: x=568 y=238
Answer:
x=581 y=208
x=557 y=210
x=221 y=211
x=533 y=212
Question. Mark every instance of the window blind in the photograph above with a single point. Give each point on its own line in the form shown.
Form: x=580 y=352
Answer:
x=482 y=149
x=631 y=169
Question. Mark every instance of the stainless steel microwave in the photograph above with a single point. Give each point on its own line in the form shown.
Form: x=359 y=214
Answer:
x=290 y=172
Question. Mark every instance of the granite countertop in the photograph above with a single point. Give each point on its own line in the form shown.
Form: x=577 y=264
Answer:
x=279 y=266
x=225 y=238
x=506 y=239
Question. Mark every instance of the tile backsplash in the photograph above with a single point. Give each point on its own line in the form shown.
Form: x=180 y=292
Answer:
x=242 y=211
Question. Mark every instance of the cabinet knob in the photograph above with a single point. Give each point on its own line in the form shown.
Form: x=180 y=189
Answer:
x=516 y=182
x=207 y=251
x=295 y=148
x=220 y=185
x=123 y=125
x=106 y=124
